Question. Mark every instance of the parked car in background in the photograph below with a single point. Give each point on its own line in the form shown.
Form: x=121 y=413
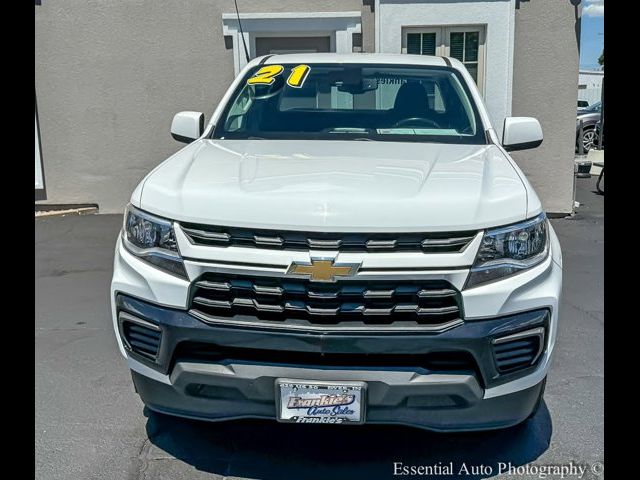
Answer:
x=582 y=104
x=589 y=116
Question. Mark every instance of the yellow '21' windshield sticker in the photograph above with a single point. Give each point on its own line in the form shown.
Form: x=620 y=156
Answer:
x=267 y=75
x=298 y=76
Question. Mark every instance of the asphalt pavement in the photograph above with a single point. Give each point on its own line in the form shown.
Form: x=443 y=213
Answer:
x=90 y=424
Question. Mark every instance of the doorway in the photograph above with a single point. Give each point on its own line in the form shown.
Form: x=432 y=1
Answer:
x=275 y=45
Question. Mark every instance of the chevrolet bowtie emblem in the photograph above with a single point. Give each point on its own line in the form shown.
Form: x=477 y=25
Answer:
x=323 y=270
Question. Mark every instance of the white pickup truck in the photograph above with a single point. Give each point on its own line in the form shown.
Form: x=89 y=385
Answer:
x=346 y=241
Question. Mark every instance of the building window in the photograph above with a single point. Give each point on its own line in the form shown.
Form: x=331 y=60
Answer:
x=464 y=47
x=464 y=43
x=421 y=43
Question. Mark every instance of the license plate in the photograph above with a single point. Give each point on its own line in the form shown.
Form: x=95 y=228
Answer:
x=320 y=402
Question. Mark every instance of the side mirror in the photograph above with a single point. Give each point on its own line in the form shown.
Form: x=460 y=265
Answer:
x=521 y=133
x=187 y=126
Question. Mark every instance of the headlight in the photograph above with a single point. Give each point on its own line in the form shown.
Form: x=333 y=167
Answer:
x=152 y=239
x=508 y=250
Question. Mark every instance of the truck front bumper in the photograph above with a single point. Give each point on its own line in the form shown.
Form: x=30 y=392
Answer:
x=240 y=380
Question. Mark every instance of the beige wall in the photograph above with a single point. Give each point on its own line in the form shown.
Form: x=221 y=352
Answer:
x=111 y=74
x=545 y=86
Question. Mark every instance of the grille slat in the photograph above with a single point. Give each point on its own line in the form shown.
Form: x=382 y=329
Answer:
x=322 y=295
x=324 y=244
x=445 y=242
x=213 y=303
x=281 y=299
x=445 y=292
x=142 y=347
x=262 y=241
x=151 y=341
x=224 y=286
x=513 y=345
x=207 y=236
x=263 y=290
x=381 y=244
x=435 y=242
x=379 y=293
x=516 y=362
x=516 y=352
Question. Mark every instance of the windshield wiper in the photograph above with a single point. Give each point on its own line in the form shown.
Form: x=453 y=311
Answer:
x=347 y=130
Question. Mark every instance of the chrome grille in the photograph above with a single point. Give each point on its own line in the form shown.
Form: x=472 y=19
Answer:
x=437 y=242
x=346 y=303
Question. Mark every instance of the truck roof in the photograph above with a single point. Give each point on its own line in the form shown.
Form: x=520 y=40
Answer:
x=378 y=58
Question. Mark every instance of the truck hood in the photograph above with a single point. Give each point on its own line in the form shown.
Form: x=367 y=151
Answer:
x=337 y=186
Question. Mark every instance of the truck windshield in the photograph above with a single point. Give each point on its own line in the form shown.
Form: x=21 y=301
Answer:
x=352 y=102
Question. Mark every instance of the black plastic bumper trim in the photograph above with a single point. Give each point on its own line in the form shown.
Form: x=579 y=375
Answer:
x=473 y=337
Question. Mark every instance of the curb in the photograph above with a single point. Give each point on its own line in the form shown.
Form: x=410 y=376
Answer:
x=64 y=213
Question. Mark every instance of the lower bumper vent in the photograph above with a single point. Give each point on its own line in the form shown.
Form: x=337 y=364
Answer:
x=140 y=336
x=518 y=351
